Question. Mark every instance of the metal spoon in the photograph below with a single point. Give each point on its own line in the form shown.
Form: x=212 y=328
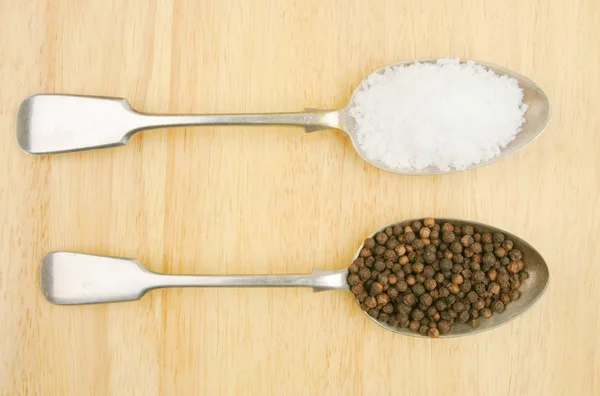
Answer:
x=51 y=123
x=75 y=278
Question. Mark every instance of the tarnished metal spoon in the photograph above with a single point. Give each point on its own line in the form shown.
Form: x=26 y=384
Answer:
x=74 y=278
x=51 y=123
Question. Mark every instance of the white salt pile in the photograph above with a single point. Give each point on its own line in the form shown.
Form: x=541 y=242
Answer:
x=445 y=114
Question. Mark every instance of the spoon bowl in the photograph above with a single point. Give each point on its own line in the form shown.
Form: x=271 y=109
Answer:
x=68 y=278
x=531 y=289
x=53 y=123
x=536 y=119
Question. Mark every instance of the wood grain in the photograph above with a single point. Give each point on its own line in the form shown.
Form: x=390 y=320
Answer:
x=268 y=200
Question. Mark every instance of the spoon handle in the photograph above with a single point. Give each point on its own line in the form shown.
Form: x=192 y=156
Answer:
x=53 y=123
x=68 y=278
x=311 y=120
x=317 y=279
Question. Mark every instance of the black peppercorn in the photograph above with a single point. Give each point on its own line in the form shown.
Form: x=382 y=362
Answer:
x=466 y=286
x=443 y=326
x=498 y=306
x=441 y=305
x=369 y=243
x=376 y=288
x=429 y=257
x=458 y=306
x=464 y=317
x=457 y=279
x=430 y=284
x=403 y=322
x=365 y=252
x=451 y=299
x=494 y=288
x=476 y=247
x=353 y=279
x=390 y=254
x=364 y=274
x=486 y=238
x=428 y=271
x=418 y=267
x=447 y=227
x=362 y=296
x=392 y=243
x=456 y=247
x=374 y=312
x=515 y=266
x=388 y=308
x=500 y=252
x=393 y=293
x=467 y=241
x=414 y=326
x=370 y=302
x=515 y=255
x=409 y=299
x=472 y=297
x=479 y=288
x=498 y=237
x=418 y=289
x=383 y=279
x=402 y=286
x=489 y=259
x=453 y=288
x=514 y=295
x=448 y=237
x=426 y=299
x=379 y=265
x=383 y=299
x=433 y=332
x=417 y=314
x=439 y=277
x=446 y=264
x=357 y=289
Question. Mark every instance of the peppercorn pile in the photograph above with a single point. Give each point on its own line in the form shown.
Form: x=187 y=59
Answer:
x=427 y=277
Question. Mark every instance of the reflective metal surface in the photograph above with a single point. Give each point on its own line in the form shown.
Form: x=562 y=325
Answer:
x=51 y=123
x=75 y=278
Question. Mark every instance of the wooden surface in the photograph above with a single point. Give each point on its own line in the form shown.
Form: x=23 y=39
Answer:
x=268 y=200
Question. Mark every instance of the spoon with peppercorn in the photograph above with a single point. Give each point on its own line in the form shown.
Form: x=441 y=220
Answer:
x=417 y=277
x=55 y=123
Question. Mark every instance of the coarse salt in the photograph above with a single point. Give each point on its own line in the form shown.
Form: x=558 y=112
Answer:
x=445 y=114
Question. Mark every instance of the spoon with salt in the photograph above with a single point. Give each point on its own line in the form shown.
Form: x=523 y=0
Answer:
x=74 y=278
x=53 y=123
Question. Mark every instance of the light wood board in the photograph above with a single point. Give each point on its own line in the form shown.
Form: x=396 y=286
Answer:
x=269 y=200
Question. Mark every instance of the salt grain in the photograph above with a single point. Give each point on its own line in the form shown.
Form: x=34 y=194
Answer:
x=445 y=114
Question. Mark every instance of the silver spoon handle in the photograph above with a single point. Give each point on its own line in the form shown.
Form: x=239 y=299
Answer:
x=70 y=278
x=318 y=279
x=311 y=120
